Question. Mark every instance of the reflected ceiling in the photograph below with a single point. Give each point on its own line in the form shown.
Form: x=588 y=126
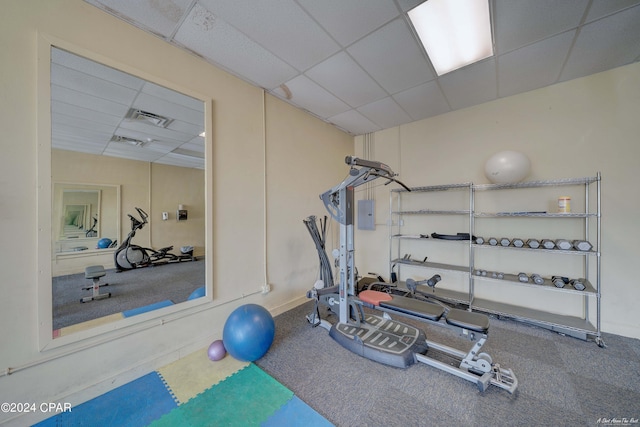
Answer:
x=357 y=64
x=96 y=109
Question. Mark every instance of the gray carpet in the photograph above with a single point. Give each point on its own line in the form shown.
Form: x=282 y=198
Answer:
x=563 y=381
x=129 y=289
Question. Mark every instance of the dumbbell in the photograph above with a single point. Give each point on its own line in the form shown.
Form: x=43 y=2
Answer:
x=533 y=243
x=497 y=275
x=548 y=244
x=582 y=245
x=479 y=240
x=505 y=242
x=578 y=284
x=523 y=278
x=537 y=279
x=493 y=241
x=481 y=272
x=518 y=243
x=563 y=244
x=559 y=281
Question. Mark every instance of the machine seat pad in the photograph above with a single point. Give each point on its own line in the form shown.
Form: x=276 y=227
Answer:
x=374 y=297
x=465 y=319
x=94 y=271
x=414 y=307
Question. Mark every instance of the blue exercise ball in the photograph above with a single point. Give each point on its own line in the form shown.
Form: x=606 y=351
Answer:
x=104 y=243
x=198 y=293
x=248 y=332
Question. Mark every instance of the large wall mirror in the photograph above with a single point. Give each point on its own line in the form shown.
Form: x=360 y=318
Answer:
x=128 y=164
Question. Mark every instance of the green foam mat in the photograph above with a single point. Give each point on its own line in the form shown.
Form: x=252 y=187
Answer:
x=246 y=398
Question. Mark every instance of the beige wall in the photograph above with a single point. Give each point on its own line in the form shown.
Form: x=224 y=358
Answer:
x=269 y=165
x=572 y=129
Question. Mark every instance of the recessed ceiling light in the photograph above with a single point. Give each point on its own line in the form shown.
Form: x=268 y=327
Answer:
x=131 y=141
x=455 y=33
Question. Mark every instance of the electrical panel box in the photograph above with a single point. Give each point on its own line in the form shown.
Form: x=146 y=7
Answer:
x=366 y=217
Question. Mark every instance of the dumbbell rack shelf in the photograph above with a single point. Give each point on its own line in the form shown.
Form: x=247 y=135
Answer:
x=576 y=326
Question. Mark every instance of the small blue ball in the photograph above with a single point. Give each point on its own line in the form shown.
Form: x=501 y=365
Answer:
x=248 y=332
x=104 y=243
x=200 y=292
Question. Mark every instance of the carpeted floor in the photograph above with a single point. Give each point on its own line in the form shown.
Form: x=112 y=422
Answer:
x=129 y=290
x=563 y=381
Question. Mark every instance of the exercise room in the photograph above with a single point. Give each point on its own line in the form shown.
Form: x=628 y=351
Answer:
x=320 y=213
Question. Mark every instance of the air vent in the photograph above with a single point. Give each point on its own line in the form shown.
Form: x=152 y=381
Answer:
x=147 y=117
x=127 y=140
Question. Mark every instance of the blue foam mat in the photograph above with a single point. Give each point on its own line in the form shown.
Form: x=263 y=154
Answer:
x=134 y=404
x=146 y=308
x=296 y=413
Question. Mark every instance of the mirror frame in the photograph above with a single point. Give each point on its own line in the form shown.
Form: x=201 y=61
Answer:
x=113 y=330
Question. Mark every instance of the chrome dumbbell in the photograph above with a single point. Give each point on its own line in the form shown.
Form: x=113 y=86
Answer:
x=537 y=279
x=548 y=244
x=523 y=277
x=582 y=245
x=505 y=242
x=518 y=243
x=533 y=243
x=578 y=284
x=564 y=244
x=559 y=281
x=479 y=240
x=493 y=241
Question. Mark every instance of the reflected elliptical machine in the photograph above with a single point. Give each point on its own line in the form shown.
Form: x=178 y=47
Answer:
x=379 y=337
x=129 y=256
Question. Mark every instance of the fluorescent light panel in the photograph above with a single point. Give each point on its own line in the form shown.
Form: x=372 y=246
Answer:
x=455 y=33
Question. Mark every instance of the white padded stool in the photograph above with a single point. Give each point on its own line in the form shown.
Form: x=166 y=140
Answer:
x=95 y=272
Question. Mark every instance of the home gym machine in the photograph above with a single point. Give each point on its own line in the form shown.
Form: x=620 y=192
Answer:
x=379 y=337
x=129 y=256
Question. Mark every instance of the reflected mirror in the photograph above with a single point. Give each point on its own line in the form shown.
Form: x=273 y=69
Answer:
x=126 y=155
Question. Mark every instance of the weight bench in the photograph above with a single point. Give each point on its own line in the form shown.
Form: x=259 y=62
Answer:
x=474 y=366
x=423 y=310
x=95 y=272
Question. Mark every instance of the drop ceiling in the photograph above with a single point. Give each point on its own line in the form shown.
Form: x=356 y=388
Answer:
x=98 y=110
x=358 y=65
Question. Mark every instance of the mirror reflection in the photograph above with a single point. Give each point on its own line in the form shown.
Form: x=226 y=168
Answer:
x=122 y=145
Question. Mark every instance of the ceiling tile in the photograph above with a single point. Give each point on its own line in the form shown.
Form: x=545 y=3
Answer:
x=77 y=123
x=600 y=8
x=344 y=78
x=519 y=23
x=281 y=26
x=470 y=85
x=174 y=97
x=407 y=5
x=68 y=96
x=85 y=83
x=224 y=45
x=159 y=16
x=386 y=113
x=181 y=160
x=608 y=43
x=78 y=64
x=423 y=101
x=391 y=56
x=534 y=66
x=306 y=94
x=354 y=122
x=349 y=20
